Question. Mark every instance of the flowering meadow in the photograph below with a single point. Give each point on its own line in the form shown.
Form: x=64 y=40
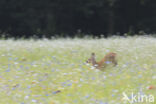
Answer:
x=55 y=71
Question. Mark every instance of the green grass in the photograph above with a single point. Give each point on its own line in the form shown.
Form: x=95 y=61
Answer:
x=32 y=71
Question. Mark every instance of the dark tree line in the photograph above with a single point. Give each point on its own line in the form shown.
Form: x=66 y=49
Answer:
x=25 y=18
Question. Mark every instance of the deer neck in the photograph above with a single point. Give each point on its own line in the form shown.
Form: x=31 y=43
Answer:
x=100 y=63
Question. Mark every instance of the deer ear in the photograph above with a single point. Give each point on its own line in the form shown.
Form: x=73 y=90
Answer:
x=93 y=54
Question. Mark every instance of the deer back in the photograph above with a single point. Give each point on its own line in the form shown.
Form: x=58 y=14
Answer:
x=109 y=58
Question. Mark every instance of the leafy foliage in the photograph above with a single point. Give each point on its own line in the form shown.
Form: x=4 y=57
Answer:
x=50 y=17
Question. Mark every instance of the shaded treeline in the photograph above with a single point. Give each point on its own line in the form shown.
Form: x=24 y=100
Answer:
x=25 y=18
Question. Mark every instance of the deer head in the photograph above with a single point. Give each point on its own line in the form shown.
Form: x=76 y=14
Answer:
x=92 y=59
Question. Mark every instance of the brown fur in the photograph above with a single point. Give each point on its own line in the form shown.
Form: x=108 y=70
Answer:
x=108 y=58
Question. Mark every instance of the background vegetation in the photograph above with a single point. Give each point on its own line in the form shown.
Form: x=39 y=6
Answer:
x=24 y=18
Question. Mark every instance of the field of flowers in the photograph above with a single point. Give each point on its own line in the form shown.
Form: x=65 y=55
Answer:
x=54 y=71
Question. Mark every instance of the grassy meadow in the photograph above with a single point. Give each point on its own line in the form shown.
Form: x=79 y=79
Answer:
x=54 y=71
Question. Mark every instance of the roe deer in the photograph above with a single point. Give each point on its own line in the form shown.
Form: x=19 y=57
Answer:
x=108 y=59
